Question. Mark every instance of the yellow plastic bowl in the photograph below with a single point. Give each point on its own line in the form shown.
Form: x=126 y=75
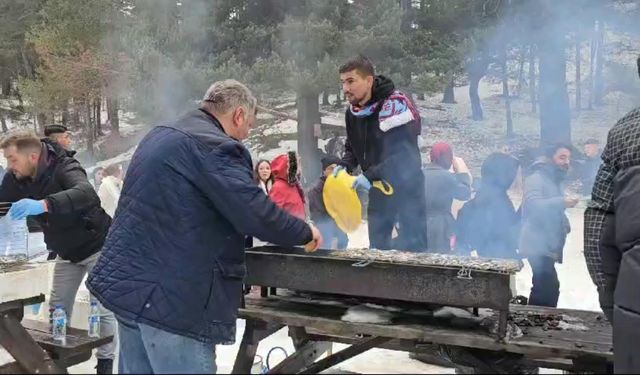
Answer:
x=342 y=202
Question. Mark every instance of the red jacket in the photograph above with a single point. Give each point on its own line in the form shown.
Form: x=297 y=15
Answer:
x=286 y=191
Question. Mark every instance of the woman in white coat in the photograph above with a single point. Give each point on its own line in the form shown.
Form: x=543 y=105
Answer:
x=109 y=191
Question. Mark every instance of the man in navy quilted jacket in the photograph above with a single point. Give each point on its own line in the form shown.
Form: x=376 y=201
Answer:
x=173 y=263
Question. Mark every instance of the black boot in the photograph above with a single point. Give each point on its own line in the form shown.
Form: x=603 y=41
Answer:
x=105 y=366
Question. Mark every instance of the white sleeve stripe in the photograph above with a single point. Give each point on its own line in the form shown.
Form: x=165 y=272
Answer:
x=396 y=120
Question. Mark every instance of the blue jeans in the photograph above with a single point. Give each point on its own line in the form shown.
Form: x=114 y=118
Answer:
x=330 y=230
x=148 y=350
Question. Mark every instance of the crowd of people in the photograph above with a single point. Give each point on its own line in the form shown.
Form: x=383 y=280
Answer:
x=192 y=200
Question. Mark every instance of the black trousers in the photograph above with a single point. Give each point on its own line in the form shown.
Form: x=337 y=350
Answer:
x=546 y=286
x=407 y=209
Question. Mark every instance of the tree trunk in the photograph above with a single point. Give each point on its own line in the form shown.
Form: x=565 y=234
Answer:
x=405 y=24
x=19 y=97
x=6 y=87
x=308 y=116
x=421 y=96
x=65 y=115
x=325 y=98
x=339 y=98
x=593 y=46
x=114 y=117
x=449 y=96
x=3 y=121
x=555 y=114
x=89 y=129
x=75 y=115
x=599 y=84
x=476 y=69
x=532 y=79
x=98 y=116
x=505 y=93
x=522 y=59
x=42 y=121
x=578 y=77
x=28 y=68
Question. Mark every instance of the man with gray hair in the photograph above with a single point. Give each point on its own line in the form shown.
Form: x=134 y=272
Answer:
x=172 y=266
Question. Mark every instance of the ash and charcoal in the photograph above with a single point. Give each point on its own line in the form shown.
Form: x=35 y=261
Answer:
x=506 y=266
x=548 y=322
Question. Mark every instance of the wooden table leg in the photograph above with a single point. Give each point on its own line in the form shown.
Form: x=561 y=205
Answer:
x=307 y=351
x=357 y=348
x=302 y=358
x=503 y=316
x=254 y=332
x=17 y=341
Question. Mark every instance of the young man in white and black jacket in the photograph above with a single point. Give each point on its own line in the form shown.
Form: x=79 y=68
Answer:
x=382 y=138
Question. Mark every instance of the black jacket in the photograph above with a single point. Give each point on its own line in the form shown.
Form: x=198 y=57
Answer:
x=174 y=258
x=392 y=155
x=611 y=238
x=317 y=210
x=75 y=226
x=489 y=223
x=620 y=252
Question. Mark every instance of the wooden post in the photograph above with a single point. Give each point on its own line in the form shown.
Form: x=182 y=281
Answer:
x=254 y=332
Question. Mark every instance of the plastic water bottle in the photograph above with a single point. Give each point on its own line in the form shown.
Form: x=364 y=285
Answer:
x=94 y=320
x=59 y=324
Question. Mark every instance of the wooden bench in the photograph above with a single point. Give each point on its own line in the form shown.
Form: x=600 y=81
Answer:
x=32 y=346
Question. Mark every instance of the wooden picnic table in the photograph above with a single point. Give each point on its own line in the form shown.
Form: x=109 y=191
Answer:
x=314 y=323
x=32 y=346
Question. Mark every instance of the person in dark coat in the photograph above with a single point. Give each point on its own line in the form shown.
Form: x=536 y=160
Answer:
x=382 y=139
x=47 y=184
x=318 y=212
x=173 y=265
x=287 y=192
x=335 y=146
x=60 y=134
x=544 y=223
x=441 y=188
x=489 y=223
x=612 y=238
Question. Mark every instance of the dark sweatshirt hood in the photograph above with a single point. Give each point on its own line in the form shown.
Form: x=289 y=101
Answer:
x=383 y=87
x=499 y=171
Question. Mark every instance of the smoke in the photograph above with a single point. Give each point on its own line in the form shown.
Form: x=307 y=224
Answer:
x=168 y=46
x=549 y=35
